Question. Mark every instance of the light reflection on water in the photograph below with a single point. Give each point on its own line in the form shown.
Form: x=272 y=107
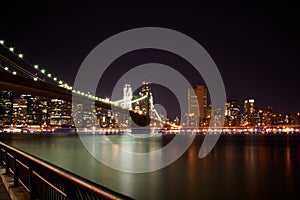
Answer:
x=239 y=167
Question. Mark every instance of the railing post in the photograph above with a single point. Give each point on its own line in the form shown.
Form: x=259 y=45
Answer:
x=70 y=190
x=32 y=192
x=1 y=157
x=6 y=163
x=16 y=174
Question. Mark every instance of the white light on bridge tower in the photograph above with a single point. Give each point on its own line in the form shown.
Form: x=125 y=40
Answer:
x=127 y=96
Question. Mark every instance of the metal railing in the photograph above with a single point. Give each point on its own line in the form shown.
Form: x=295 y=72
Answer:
x=45 y=181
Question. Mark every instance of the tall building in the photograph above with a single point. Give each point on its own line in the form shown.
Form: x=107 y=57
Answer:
x=232 y=112
x=143 y=105
x=127 y=96
x=31 y=109
x=197 y=105
x=43 y=112
x=249 y=116
x=6 y=107
x=60 y=113
x=19 y=112
x=36 y=109
x=249 y=106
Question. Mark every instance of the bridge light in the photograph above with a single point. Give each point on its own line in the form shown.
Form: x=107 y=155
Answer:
x=14 y=73
x=35 y=79
x=74 y=91
x=36 y=66
x=49 y=75
x=78 y=92
x=60 y=82
x=55 y=79
x=82 y=93
x=43 y=71
x=2 y=42
x=6 y=68
x=11 y=49
x=20 y=55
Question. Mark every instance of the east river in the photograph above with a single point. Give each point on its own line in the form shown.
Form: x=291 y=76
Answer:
x=238 y=167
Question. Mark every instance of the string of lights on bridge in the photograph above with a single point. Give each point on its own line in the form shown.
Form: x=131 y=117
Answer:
x=49 y=75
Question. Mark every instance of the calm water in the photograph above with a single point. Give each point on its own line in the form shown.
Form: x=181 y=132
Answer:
x=239 y=167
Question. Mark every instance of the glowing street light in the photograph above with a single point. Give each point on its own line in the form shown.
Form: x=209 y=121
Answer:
x=36 y=66
x=11 y=49
x=20 y=55
x=43 y=71
x=2 y=42
x=14 y=73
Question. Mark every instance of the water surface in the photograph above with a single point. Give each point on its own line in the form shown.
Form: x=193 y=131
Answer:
x=239 y=167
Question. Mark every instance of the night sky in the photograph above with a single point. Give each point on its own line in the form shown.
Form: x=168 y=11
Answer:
x=255 y=45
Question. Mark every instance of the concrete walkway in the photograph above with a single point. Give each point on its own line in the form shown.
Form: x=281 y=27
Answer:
x=3 y=193
x=7 y=191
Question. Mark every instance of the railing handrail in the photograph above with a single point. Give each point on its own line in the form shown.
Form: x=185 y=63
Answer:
x=82 y=182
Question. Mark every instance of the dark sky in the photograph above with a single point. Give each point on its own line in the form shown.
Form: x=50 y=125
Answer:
x=255 y=45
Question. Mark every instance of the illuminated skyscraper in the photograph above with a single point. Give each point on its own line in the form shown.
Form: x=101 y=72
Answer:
x=60 y=113
x=127 y=96
x=19 y=111
x=6 y=107
x=249 y=106
x=145 y=104
x=249 y=113
x=197 y=104
x=232 y=112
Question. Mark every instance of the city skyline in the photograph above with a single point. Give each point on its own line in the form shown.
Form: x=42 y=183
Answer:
x=27 y=110
x=253 y=44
